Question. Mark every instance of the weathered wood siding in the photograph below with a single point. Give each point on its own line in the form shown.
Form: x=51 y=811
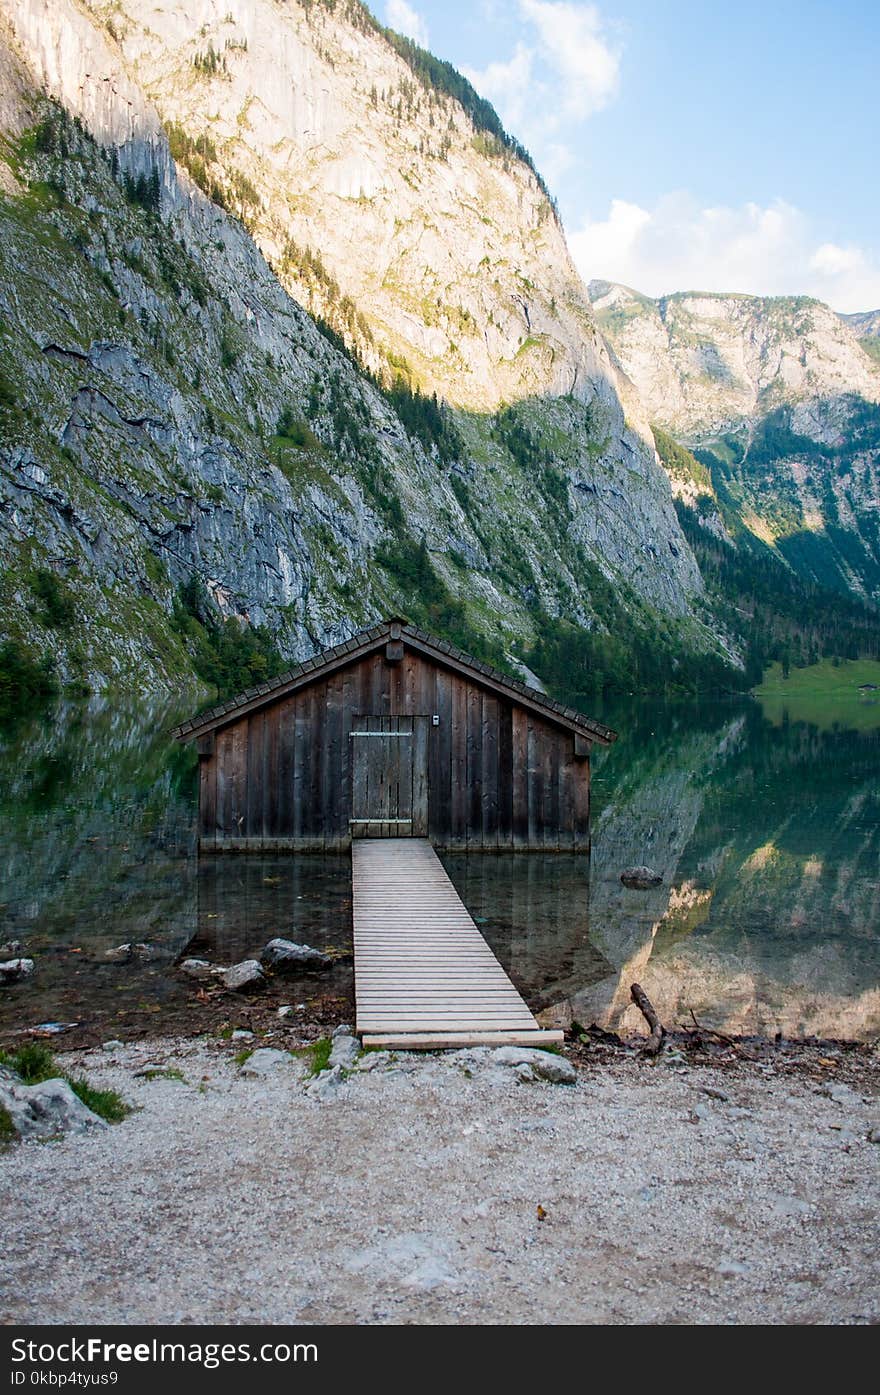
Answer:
x=499 y=776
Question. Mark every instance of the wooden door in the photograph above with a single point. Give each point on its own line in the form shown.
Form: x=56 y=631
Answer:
x=389 y=777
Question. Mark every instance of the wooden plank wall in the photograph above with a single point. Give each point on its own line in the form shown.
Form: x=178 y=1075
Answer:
x=498 y=775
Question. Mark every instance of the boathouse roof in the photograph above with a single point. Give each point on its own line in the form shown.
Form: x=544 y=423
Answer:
x=394 y=630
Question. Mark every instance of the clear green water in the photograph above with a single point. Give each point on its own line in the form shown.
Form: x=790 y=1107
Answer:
x=767 y=837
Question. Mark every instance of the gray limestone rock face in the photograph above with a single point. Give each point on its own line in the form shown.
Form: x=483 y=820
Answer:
x=246 y=977
x=165 y=474
x=47 y=1110
x=285 y=957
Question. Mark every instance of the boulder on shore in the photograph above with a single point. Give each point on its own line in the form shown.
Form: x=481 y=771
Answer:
x=47 y=1110
x=541 y=1065
x=267 y=1061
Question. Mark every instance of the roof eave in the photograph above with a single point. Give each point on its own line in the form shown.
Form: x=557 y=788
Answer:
x=341 y=655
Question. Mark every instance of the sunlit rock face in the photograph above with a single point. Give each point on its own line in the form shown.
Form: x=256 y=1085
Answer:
x=706 y=364
x=153 y=360
x=783 y=397
x=453 y=256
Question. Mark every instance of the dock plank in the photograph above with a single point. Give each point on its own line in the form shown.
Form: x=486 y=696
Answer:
x=424 y=975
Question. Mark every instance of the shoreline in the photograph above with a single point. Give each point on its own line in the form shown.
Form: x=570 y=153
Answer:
x=673 y=1191
x=215 y=1013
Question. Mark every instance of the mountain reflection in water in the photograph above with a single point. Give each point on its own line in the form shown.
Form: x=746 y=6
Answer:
x=767 y=838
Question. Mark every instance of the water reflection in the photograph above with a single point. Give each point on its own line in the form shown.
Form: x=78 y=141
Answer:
x=768 y=840
x=244 y=901
x=767 y=837
x=534 y=910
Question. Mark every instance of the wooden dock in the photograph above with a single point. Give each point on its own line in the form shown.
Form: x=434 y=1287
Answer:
x=424 y=976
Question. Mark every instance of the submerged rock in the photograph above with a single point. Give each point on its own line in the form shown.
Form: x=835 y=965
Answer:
x=11 y=949
x=640 y=878
x=246 y=977
x=198 y=968
x=47 y=1110
x=14 y=969
x=285 y=957
x=123 y=954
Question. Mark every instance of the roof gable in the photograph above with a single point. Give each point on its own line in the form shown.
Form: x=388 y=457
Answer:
x=366 y=642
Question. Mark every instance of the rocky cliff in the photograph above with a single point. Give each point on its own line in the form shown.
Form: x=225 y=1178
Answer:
x=180 y=441
x=781 y=402
x=866 y=324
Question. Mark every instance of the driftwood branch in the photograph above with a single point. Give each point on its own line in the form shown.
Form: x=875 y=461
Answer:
x=646 y=1008
x=711 y=1032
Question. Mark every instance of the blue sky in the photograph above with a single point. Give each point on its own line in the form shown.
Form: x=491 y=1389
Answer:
x=691 y=144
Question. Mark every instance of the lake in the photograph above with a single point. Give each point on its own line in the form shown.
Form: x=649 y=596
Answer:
x=766 y=833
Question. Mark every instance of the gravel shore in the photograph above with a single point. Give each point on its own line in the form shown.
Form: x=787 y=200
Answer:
x=672 y=1194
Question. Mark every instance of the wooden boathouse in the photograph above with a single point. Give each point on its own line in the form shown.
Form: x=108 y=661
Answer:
x=393 y=734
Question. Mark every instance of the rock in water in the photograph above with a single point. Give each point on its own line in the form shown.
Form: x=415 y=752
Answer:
x=545 y=1065
x=121 y=954
x=285 y=957
x=14 y=969
x=197 y=968
x=640 y=878
x=246 y=977
x=47 y=1110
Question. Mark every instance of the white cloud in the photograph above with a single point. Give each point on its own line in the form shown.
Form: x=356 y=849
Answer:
x=571 y=42
x=561 y=71
x=402 y=17
x=507 y=85
x=679 y=245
